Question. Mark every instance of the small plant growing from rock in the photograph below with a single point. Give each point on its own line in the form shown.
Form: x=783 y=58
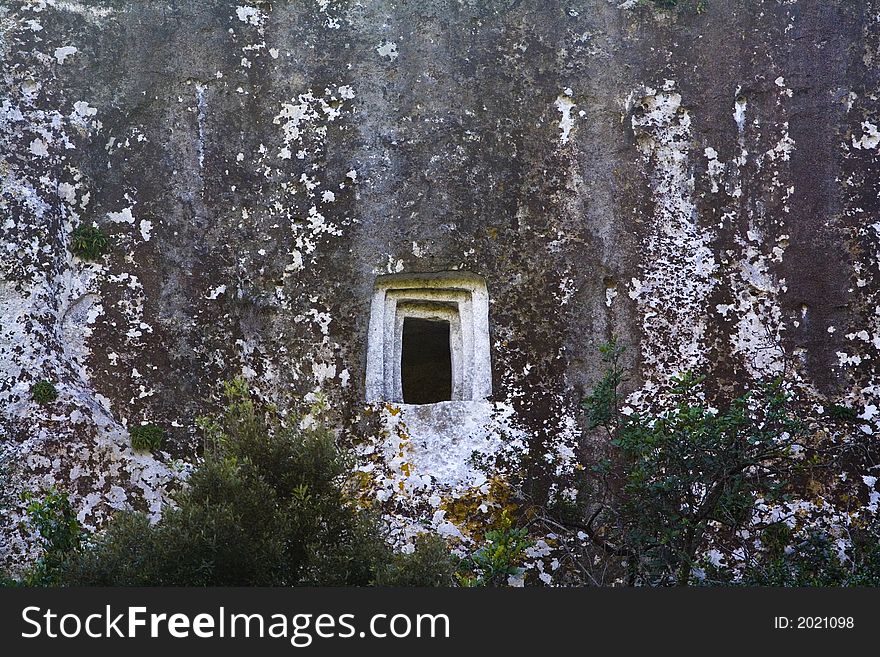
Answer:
x=843 y=413
x=499 y=558
x=53 y=517
x=89 y=242
x=44 y=393
x=147 y=437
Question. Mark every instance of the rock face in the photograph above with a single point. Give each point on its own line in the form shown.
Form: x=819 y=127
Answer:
x=703 y=184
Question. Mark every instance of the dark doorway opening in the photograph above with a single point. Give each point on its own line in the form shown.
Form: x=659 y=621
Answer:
x=425 y=361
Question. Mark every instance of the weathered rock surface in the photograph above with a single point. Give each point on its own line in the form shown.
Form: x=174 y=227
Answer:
x=704 y=185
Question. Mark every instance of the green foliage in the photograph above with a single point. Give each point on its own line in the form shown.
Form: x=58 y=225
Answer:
x=8 y=581
x=124 y=555
x=429 y=565
x=44 y=393
x=89 y=242
x=842 y=413
x=687 y=468
x=818 y=564
x=499 y=558
x=813 y=561
x=61 y=535
x=268 y=506
x=679 y=480
x=602 y=404
x=147 y=437
x=6 y=486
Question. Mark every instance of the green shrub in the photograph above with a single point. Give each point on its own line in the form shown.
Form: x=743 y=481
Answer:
x=6 y=504
x=842 y=413
x=89 y=242
x=8 y=581
x=429 y=565
x=61 y=535
x=499 y=558
x=147 y=437
x=44 y=393
x=813 y=561
x=689 y=467
x=678 y=478
x=268 y=506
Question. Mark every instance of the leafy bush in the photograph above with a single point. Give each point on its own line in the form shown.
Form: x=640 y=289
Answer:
x=147 y=437
x=689 y=475
x=842 y=413
x=60 y=533
x=499 y=558
x=6 y=501
x=44 y=393
x=689 y=467
x=89 y=242
x=429 y=565
x=814 y=561
x=268 y=506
